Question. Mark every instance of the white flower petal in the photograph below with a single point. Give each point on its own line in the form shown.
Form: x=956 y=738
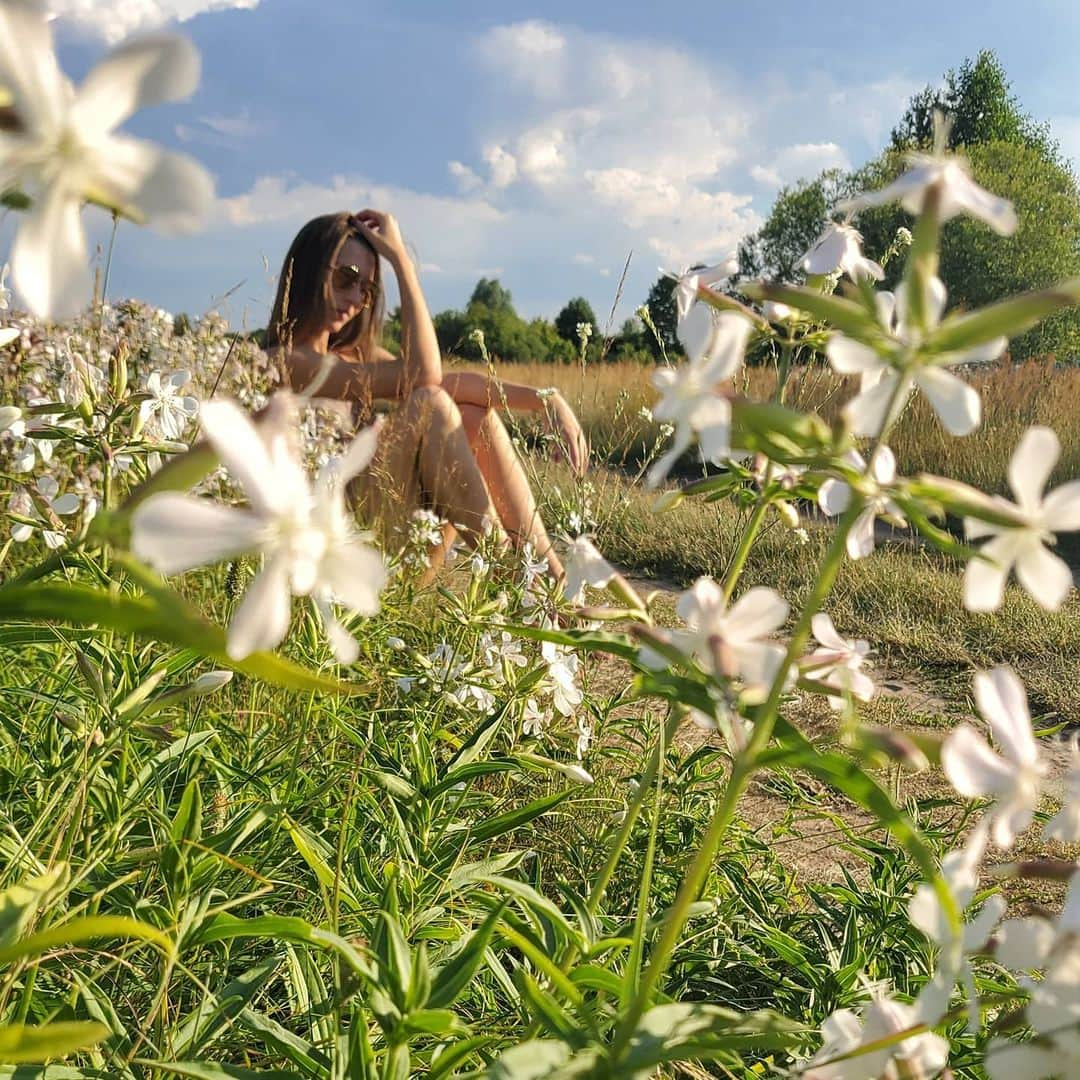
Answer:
x=28 y=67
x=1045 y=576
x=48 y=259
x=1024 y=944
x=173 y=532
x=957 y=404
x=697 y=330
x=866 y=411
x=971 y=766
x=66 y=504
x=262 y=619
x=149 y=70
x=984 y=582
x=344 y=646
x=851 y=357
x=1060 y=509
x=1031 y=464
x=754 y=615
x=964 y=194
x=355 y=574
x=243 y=452
x=1002 y=701
x=172 y=191
x=824 y=631
x=834 y=496
x=360 y=452
x=860 y=540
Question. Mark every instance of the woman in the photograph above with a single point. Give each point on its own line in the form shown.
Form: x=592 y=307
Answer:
x=445 y=445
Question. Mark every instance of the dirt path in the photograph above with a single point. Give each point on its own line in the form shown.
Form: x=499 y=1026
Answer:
x=808 y=825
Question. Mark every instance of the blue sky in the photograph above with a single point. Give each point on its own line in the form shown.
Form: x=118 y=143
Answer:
x=537 y=143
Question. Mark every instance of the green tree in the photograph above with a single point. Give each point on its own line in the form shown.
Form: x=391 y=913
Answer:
x=797 y=219
x=492 y=295
x=979 y=102
x=576 y=311
x=664 y=315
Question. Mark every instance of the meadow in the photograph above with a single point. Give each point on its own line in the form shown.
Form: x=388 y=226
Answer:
x=277 y=802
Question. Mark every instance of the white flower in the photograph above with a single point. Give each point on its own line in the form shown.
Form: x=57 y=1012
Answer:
x=532 y=564
x=839 y=249
x=562 y=669
x=960 y=870
x=957 y=193
x=921 y=1055
x=534 y=719
x=502 y=648
x=8 y=334
x=1065 y=824
x=696 y=322
x=63 y=150
x=730 y=642
x=305 y=537
x=478 y=565
x=1028 y=944
x=838 y=662
x=690 y=396
x=1043 y=574
x=22 y=504
x=1014 y=777
x=1054 y=1012
x=11 y=419
x=396 y=643
x=171 y=409
x=890 y=377
x=585 y=566
x=834 y=496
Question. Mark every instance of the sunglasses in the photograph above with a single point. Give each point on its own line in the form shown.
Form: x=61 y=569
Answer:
x=345 y=277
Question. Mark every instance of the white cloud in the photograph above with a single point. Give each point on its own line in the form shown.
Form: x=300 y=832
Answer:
x=803 y=161
x=502 y=165
x=636 y=135
x=467 y=180
x=113 y=20
x=220 y=129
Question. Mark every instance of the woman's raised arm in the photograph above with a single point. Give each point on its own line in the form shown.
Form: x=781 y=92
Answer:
x=422 y=364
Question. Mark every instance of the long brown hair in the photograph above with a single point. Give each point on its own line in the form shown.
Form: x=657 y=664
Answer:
x=302 y=303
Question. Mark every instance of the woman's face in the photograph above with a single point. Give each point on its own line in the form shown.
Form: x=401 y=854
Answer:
x=352 y=283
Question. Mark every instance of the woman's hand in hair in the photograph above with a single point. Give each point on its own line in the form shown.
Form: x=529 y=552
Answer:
x=382 y=231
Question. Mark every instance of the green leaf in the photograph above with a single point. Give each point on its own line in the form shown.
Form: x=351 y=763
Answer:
x=395 y=959
x=589 y=640
x=503 y=823
x=204 y=1070
x=20 y=903
x=543 y=1059
x=456 y=1055
x=22 y=1042
x=449 y=980
x=309 y=848
x=143 y=616
x=1005 y=319
x=433 y=1022
x=88 y=928
x=846 y=315
x=694 y=1031
x=282 y=928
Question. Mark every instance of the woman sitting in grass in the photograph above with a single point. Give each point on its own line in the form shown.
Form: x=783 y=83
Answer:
x=445 y=446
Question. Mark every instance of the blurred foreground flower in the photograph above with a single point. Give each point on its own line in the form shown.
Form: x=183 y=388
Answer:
x=947 y=175
x=306 y=538
x=839 y=248
x=63 y=151
x=921 y=1055
x=585 y=566
x=1045 y=576
x=1015 y=776
x=888 y=380
x=691 y=398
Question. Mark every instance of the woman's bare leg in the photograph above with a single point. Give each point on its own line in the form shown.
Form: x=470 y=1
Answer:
x=425 y=452
x=506 y=481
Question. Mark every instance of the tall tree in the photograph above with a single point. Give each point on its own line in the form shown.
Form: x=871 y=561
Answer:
x=981 y=106
x=492 y=294
x=576 y=311
x=664 y=315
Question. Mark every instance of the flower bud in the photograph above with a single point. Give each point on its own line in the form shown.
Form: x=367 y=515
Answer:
x=118 y=373
x=667 y=500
